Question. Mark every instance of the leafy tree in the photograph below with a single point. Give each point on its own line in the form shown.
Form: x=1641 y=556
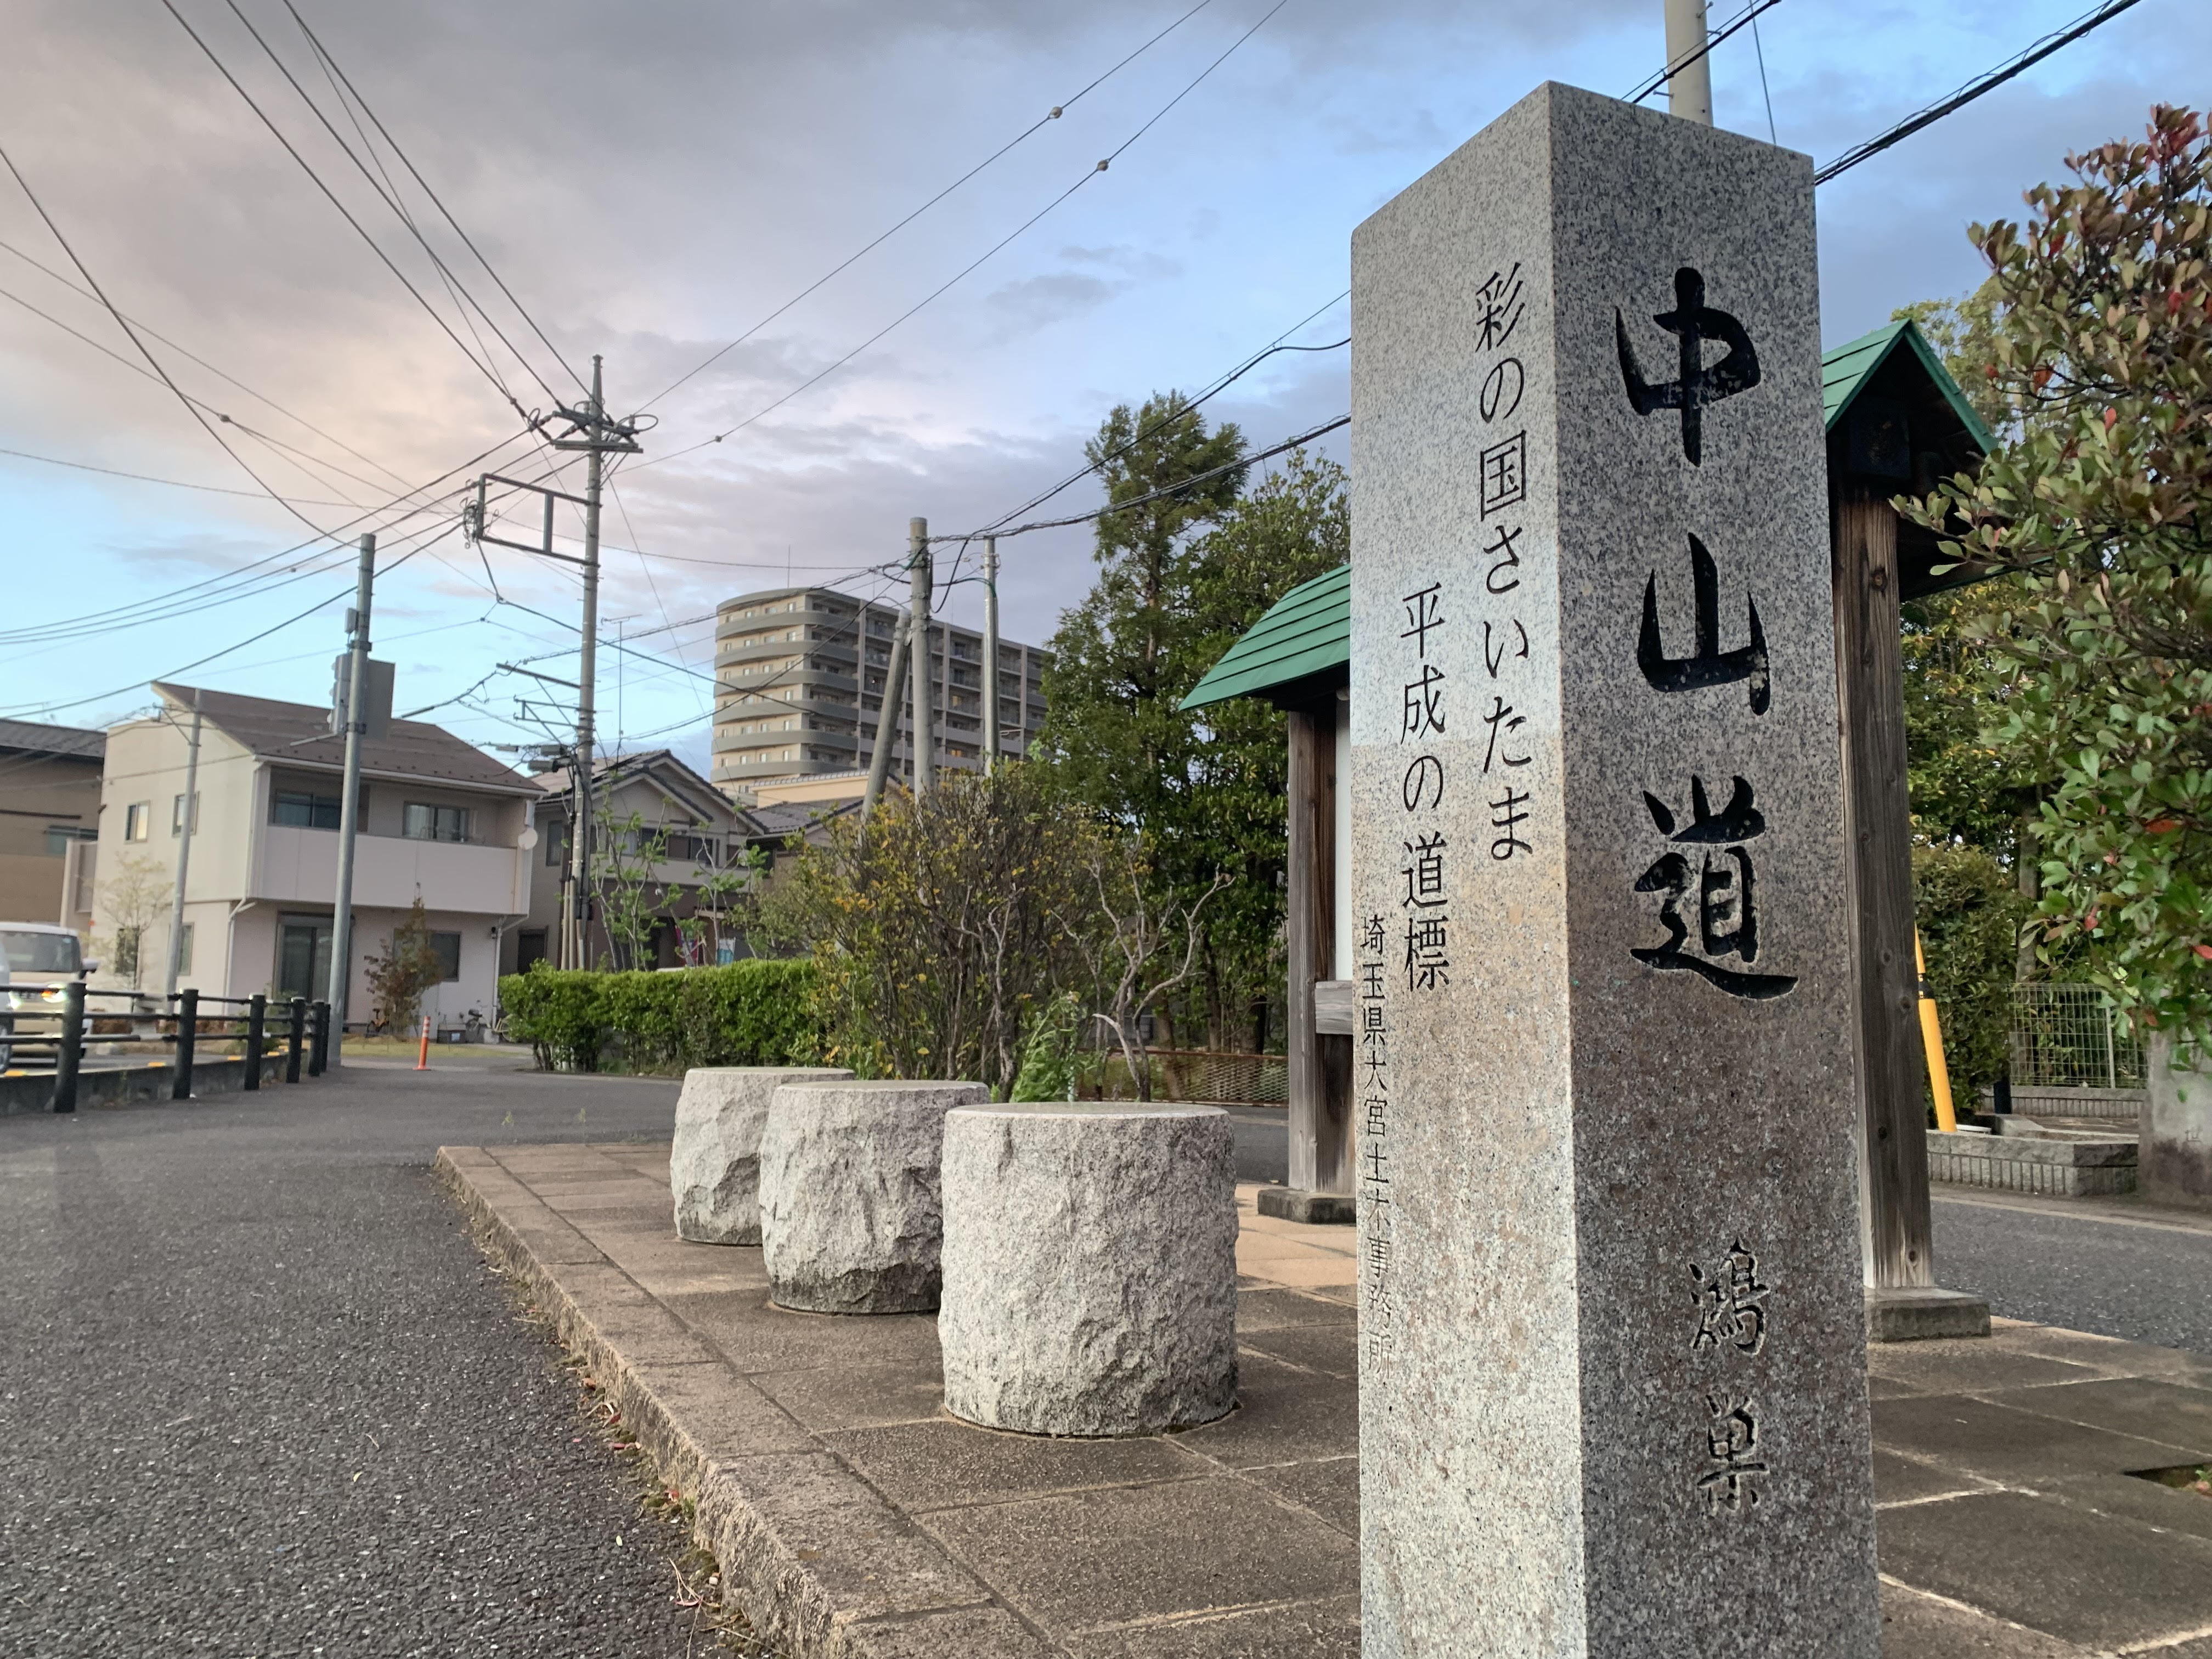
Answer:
x=2101 y=341
x=632 y=898
x=939 y=929
x=397 y=978
x=1179 y=579
x=1970 y=915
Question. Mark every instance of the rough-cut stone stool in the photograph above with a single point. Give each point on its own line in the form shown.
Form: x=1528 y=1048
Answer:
x=714 y=1166
x=850 y=1217
x=1090 y=1267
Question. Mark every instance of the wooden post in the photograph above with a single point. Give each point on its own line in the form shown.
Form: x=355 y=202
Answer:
x=1894 y=1216
x=1320 y=1063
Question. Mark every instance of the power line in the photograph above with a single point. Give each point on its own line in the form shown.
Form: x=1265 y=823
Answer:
x=102 y=294
x=1974 y=88
x=1749 y=14
x=201 y=662
x=467 y=241
x=155 y=334
x=306 y=167
x=147 y=609
x=148 y=477
x=957 y=276
x=1042 y=121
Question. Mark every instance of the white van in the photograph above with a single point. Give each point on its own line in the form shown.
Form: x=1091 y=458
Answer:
x=39 y=956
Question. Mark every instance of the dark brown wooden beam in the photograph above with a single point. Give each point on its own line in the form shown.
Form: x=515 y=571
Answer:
x=1320 y=1065
x=1878 y=821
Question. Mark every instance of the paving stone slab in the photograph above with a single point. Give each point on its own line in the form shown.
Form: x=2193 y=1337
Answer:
x=2127 y=1498
x=1271 y=1309
x=1944 y=1366
x=1108 y=1558
x=946 y=1463
x=968 y=1632
x=1917 y=1625
x=1311 y=1630
x=2090 y=1579
x=1901 y=1479
x=1330 y=1488
x=2000 y=1444
x=2142 y=1405
x=827 y=1397
x=1332 y=1349
x=1284 y=1415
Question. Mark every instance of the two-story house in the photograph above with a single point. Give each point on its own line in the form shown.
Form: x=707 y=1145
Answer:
x=439 y=820
x=640 y=804
x=49 y=817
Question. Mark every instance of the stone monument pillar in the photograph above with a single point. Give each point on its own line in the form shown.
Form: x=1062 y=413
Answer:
x=1612 y=1396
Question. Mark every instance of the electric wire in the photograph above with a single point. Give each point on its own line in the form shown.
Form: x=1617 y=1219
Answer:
x=437 y=201
x=488 y=370
x=1974 y=88
x=1042 y=121
x=462 y=300
x=1749 y=14
x=145 y=350
x=173 y=484
x=1112 y=155
x=152 y=333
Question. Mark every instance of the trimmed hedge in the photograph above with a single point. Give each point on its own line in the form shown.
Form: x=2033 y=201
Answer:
x=759 y=1012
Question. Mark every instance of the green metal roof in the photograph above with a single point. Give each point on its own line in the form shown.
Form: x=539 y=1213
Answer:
x=1845 y=371
x=1309 y=630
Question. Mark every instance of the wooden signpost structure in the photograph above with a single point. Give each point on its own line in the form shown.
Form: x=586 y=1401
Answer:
x=1895 y=421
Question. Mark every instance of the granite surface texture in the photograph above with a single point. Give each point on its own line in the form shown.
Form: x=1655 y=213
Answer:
x=1090 y=1267
x=1612 y=1395
x=852 y=1216
x=715 y=1167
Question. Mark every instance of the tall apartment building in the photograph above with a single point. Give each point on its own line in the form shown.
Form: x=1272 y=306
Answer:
x=799 y=688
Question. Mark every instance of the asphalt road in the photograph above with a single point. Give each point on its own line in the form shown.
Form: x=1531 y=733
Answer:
x=259 y=1396
x=2117 y=1272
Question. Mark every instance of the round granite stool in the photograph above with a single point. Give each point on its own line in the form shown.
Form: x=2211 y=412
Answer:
x=714 y=1165
x=850 y=1218
x=1090 y=1267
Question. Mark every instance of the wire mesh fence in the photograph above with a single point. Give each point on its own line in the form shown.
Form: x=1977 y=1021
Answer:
x=2071 y=1037
x=1191 y=1074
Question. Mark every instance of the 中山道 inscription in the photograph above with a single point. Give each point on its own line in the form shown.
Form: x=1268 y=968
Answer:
x=1607 y=1200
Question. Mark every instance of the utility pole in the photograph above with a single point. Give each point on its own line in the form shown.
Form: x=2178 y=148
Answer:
x=184 y=853
x=1689 y=85
x=356 y=725
x=990 y=655
x=879 y=761
x=918 y=565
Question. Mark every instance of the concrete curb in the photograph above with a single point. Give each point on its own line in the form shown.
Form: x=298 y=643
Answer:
x=128 y=1085
x=819 y=1561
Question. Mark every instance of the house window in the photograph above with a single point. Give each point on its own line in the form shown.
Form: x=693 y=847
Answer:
x=446 y=947
x=184 y=949
x=59 y=835
x=423 y=822
x=138 y=820
x=529 y=948
x=177 y=814
x=556 y=844
x=302 y=809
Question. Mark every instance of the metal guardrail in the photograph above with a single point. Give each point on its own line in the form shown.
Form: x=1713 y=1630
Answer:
x=2071 y=1037
x=300 y=1031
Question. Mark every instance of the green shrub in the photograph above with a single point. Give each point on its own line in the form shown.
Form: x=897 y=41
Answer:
x=1970 y=914
x=749 y=1013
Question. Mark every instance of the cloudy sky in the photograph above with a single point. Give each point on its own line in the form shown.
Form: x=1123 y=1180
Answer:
x=655 y=181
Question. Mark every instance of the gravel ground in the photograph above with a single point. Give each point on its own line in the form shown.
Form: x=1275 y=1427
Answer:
x=2147 y=1284
x=259 y=1395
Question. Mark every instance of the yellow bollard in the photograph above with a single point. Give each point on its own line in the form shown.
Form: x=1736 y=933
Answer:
x=1931 y=1039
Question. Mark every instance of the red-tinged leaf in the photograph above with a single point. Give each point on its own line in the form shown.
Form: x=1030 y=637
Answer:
x=2162 y=826
x=2204 y=950
x=2111 y=419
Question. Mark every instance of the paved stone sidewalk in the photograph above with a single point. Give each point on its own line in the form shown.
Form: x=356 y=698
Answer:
x=859 y=1519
